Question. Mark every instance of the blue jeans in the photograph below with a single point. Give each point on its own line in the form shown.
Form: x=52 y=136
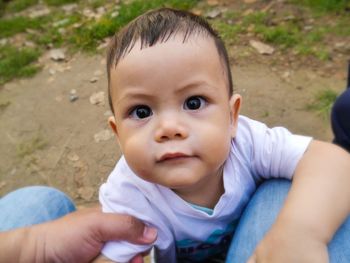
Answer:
x=33 y=205
x=260 y=214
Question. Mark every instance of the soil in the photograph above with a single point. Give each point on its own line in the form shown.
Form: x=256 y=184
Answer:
x=49 y=138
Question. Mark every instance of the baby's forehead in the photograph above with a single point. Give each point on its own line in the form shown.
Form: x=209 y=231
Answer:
x=179 y=37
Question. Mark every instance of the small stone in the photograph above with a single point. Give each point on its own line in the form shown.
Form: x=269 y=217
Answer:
x=29 y=44
x=261 y=47
x=213 y=13
x=286 y=75
x=42 y=11
x=108 y=113
x=61 y=22
x=69 y=8
x=98 y=73
x=308 y=28
x=98 y=98
x=57 y=54
x=76 y=25
x=103 y=45
x=73 y=97
x=73 y=91
x=101 y=10
x=103 y=135
x=72 y=156
x=3 y=41
x=94 y=79
x=114 y=14
x=62 y=31
x=52 y=71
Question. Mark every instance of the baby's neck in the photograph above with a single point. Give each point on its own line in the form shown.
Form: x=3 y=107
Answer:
x=207 y=193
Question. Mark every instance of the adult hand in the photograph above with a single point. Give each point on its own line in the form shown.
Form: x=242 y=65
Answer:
x=76 y=237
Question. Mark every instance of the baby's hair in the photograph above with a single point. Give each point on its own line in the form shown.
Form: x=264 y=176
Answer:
x=157 y=26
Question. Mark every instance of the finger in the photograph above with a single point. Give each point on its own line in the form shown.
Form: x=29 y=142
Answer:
x=124 y=227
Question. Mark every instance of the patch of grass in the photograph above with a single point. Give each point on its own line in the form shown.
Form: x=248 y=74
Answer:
x=88 y=35
x=323 y=102
x=34 y=144
x=308 y=50
x=342 y=28
x=325 y=5
x=19 y=5
x=228 y=32
x=12 y=26
x=256 y=18
x=17 y=63
x=283 y=35
x=60 y=2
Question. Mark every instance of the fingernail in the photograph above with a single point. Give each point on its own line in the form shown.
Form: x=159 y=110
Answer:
x=150 y=233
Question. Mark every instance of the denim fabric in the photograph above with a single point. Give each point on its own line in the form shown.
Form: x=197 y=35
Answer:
x=259 y=216
x=32 y=205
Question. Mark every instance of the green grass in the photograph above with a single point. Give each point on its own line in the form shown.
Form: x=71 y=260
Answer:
x=19 y=5
x=323 y=102
x=228 y=33
x=325 y=6
x=60 y=2
x=90 y=34
x=17 y=63
x=12 y=26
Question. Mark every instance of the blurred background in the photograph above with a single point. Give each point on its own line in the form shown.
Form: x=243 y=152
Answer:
x=288 y=57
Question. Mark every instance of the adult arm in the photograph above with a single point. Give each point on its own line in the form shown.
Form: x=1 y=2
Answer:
x=76 y=237
x=318 y=203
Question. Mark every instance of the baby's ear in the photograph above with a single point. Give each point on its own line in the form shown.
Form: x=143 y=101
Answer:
x=113 y=125
x=235 y=106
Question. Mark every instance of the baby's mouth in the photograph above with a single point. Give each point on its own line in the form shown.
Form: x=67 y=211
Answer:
x=173 y=157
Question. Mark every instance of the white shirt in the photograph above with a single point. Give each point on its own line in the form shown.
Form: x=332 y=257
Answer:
x=257 y=153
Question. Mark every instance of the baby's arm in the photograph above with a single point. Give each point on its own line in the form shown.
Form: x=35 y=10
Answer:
x=318 y=203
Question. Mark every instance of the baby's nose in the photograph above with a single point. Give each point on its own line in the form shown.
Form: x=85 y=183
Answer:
x=170 y=129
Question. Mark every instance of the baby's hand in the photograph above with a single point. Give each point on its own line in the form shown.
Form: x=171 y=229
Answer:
x=289 y=246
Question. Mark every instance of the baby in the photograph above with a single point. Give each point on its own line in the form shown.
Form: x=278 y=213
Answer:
x=190 y=162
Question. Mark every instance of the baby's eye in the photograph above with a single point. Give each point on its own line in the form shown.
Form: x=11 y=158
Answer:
x=141 y=112
x=194 y=103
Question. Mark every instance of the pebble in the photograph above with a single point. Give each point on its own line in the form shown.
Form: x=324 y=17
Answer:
x=103 y=135
x=57 y=54
x=42 y=11
x=261 y=47
x=73 y=97
x=98 y=73
x=213 y=13
x=98 y=98
x=94 y=79
x=72 y=156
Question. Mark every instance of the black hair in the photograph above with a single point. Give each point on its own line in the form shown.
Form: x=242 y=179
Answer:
x=158 y=26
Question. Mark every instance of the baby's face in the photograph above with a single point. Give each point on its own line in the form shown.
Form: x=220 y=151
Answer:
x=172 y=112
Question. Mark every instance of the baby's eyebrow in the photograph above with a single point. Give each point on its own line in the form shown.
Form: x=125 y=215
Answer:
x=194 y=85
x=130 y=94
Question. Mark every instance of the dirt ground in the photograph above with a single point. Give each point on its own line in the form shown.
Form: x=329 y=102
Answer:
x=49 y=138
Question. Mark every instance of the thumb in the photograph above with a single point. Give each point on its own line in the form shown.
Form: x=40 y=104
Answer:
x=124 y=227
